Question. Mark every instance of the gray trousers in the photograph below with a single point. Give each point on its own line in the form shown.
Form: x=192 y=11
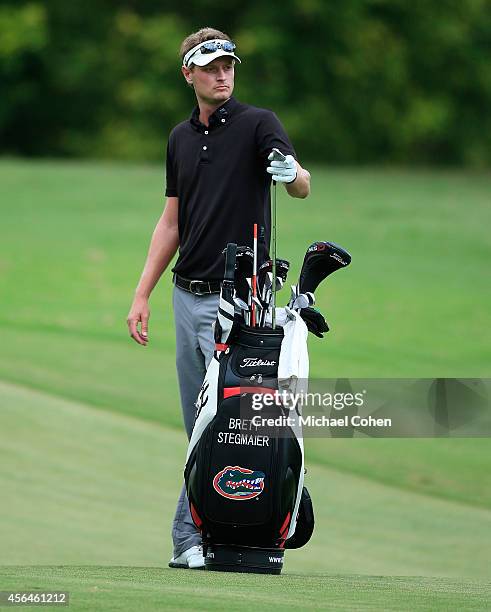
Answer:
x=193 y=316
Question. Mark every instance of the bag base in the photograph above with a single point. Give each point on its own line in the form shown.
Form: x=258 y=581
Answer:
x=243 y=559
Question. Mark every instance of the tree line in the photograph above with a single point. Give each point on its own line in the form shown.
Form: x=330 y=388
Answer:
x=358 y=81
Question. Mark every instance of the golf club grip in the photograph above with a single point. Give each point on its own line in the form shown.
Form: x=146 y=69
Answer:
x=230 y=261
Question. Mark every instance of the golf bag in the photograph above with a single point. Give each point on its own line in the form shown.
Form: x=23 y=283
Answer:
x=245 y=481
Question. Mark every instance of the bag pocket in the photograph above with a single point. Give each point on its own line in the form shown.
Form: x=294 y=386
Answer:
x=305 y=522
x=236 y=466
x=247 y=361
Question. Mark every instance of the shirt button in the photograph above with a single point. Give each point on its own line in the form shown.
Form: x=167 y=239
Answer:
x=223 y=120
x=204 y=148
x=206 y=131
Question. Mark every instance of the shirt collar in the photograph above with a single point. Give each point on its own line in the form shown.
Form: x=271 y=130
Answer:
x=222 y=112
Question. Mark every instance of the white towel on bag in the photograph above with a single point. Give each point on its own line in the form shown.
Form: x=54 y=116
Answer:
x=293 y=366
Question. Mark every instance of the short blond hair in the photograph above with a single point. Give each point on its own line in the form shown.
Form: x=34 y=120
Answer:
x=200 y=36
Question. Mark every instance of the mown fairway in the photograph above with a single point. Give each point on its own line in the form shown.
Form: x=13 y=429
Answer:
x=91 y=445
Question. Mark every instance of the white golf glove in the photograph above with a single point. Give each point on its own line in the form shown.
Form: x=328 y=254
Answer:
x=283 y=171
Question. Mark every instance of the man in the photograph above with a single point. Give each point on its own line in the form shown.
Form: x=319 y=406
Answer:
x=218 y=185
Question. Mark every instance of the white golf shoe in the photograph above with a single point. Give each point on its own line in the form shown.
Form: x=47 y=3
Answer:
x=192 y=558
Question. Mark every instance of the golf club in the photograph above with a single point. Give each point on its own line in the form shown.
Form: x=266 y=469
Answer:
x=243 y=269
x=304 y=300
x=265 y=282
x=277 y=156
x=254 y=278
x=242 y=306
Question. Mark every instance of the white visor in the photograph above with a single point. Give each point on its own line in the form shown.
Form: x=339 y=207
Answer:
x=197 y=57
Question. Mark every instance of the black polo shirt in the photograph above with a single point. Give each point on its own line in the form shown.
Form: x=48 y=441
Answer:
x=219 y=175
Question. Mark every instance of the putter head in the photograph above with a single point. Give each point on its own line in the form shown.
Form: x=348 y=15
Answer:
x=321 y=260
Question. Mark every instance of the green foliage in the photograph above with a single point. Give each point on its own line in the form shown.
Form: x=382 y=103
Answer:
x=354 y=82
x=23 y=39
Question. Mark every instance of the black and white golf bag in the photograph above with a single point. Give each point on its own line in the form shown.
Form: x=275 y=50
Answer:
x=245 y=482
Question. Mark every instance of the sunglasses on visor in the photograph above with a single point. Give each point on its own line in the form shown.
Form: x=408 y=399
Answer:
x=211 y=47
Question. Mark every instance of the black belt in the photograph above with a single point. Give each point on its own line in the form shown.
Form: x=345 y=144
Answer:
x=198 y=287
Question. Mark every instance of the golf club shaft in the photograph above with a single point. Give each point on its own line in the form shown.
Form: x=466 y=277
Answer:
x=273 y=251
x=254 y=278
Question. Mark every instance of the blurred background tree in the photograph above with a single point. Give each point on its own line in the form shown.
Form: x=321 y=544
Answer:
x=358 y=81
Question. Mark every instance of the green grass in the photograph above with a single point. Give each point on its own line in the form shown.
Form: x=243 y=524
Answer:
x=91 y=442
x=87 y=487
x=104 y=487
x=415 y=301
x=124 y=588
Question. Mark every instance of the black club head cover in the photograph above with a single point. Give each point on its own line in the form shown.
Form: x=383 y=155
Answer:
x=244 y=263
x=282 y=267
x=321 y=259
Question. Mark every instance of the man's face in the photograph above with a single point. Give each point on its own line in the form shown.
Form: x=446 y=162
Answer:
x=213 y=83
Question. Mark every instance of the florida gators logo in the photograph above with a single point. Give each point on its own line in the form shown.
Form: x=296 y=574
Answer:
x=234 y=482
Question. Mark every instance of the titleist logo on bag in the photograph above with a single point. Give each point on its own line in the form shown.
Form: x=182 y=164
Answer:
x=250 y=362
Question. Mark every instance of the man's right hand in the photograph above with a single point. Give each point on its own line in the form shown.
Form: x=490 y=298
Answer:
x=139 y=314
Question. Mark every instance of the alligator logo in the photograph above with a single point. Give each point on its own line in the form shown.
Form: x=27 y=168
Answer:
x=234 y=482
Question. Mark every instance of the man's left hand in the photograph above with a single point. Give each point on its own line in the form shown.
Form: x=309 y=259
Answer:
x=283 y=171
